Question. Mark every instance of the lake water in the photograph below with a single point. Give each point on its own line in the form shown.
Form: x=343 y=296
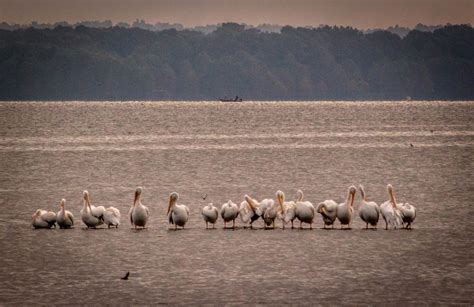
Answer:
x=51 y=150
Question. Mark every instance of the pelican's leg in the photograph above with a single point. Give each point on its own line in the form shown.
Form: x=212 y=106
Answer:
x=213 y=225
x=386 y=226
x=108 y=226
x=233 y=224
x=273 y=224
x=333 y=225
x=292 y=227
x=206 y=224
x=251 y=227
x=225 y=224
x=301 y=225
x=366 y=225
x=175 y=226
x=311 y=225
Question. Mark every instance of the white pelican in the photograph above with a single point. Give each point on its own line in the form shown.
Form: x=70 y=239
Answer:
x=304 y=210
x=138 y=213
x=177 y=214
x=65 y=219
x=90 y=215
x=271 y=214
x=328 y=211
x=248 y=211
x=287 y=212
x=368 y=211
x=346 y=209
x=408 y=213
x=43 y=219
x=112 y=217
x=390 y=212
x=210 y=214
x=229 y=212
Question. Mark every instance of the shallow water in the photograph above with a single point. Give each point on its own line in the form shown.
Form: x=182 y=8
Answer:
x=53 y=150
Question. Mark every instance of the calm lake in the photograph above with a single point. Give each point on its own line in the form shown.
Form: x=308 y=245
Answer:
x=51 y=150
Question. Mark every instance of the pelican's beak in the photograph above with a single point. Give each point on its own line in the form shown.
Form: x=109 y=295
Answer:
x=281 y=200
x=250 y=202
x=323 y=210
x=352 y=197
x=136 y=198
x=88 y=201
x=169 y=206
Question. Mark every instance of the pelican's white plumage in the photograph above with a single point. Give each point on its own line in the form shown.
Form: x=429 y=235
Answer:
x=345 y=210
x=229 y=212
x=210 y=213
x=177 y=214
x=287 y=212
x=408 y=213
x=249 y=210
x=369 y=211
x=91 y=216
x=271 y=214
x=389 y=210
x=138 y=212
x=112 y=217
x=304 y=210
x=65 y=219
x=43 y=219
x=328 y=211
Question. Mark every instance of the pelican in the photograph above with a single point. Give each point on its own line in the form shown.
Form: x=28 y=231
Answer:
x=390 y=212
x=328 y=211
x=408 y=213
x=287 y=210
x=210 y=214
x=271 y=214
x=65 y=219
x=91 y=216
x=248 y=210
x=229 y=212
x=112 y=217
x=43 y=219
x=177 y=214
x=369 y=211
x=138 y=213
x=346 y=209
x=304 y=210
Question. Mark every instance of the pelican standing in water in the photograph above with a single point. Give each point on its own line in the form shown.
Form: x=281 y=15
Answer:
x=91 y=216
x=368 y=211
x=112 y=217
x=65 y=218
x=138 y=213
x=345 y=210
x=287 y=212
x=390 y=212
x=177 y=214
x=43 y=219
x=210 y=214
x=328 y=211
x=304 y=210
x=248 y=211
x=271 y=214
x=229 y=212
x=406 y=211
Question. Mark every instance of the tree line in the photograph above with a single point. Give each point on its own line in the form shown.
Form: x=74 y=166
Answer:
x=325 y=63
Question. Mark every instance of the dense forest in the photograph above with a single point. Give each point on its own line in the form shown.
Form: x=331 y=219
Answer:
x=118 y=63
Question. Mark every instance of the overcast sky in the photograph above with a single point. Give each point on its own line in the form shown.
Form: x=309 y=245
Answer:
x=357 y=13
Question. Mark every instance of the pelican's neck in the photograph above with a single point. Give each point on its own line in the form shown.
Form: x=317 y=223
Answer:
x=362 y=191
x=392 y=197
x=299 y=196
x=86 y=206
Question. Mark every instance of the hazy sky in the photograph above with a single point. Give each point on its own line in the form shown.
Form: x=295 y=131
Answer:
x=358 y=13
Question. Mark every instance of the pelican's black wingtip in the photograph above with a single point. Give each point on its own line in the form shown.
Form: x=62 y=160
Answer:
x=126 y=276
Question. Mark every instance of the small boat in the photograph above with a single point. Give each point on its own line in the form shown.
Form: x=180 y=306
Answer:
x=236 y=99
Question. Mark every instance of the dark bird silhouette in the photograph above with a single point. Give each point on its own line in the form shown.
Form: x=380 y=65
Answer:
x=411 y=145
x=204 y=196
x=126 y=276
x=431 y=130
